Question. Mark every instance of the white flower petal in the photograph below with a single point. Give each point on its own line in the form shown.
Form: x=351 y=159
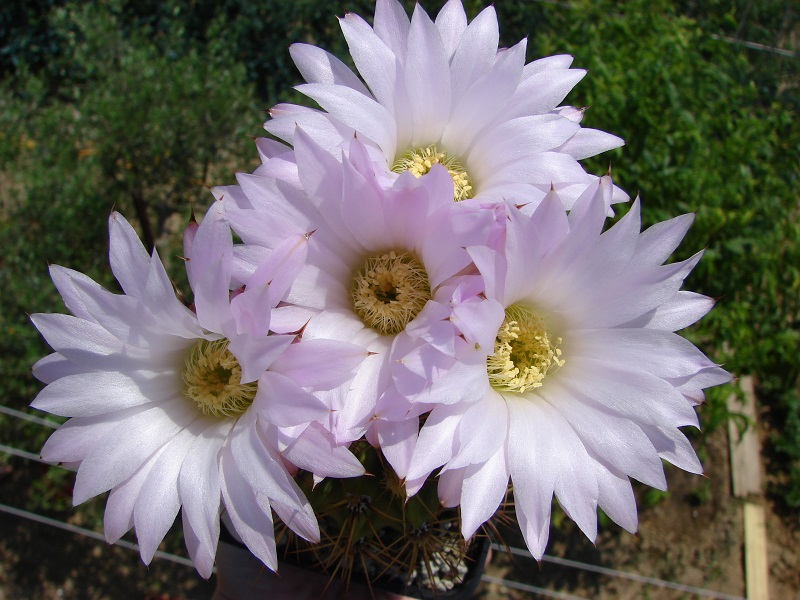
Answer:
x=542 y=90
x=72 y=441
x=479 y=105
x=87 y=394
x=427 y=79
x=659 y=241
x=199 y=488
x=619 y=440
x=54 y=366
x=118 y=517
x=682 y=310
x=122 y=450
x=284 y=403
x=477 y=44
x=533 y=473
x=397 y=440
x=130 y=262
x=621 y=390
x=320 y=363
x=451 y=23
x=616 y=497
x=482 y=491
x=482 y=432
x=673 y=446
x=250 y=513
x=209 y=269
x=355 y=110
x=159 y=500
x=374 y=60
x=318 y=66
x=201 y=554
x=316 y=451
x=392 y=25
x=590 y=142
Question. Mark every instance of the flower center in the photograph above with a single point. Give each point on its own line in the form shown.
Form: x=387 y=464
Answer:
x=524 y=352
x=212 y=378
x=389 y=291
x=420 y=160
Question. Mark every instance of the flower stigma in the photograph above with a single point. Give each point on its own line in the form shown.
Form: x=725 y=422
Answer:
x=212 y=378
x=419 y=161
x=524 y=352
x=390 y=290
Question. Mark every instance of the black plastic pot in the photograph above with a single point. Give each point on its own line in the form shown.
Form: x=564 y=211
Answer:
x=242 y=576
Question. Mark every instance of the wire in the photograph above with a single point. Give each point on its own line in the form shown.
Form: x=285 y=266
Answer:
x=22 y=454
x=28 y=417
x=515 y=551
x=181 y=560
x=18 y=512
x=621 y=574
x=524 y=587
x=756 y=46
x=714 y=36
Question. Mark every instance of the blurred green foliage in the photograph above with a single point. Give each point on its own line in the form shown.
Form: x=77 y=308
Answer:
x=117 y=103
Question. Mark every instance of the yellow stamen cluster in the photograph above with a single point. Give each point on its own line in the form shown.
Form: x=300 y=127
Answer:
x=419 y=161
x=212 y=378
x=389 y=291
x=524 y=352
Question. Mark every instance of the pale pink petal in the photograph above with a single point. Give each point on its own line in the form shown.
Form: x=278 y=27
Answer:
x=199 y=488
x=262 y=469
x=320 y=363
x=659 y=241
x=129 y=260
x=250 y=513
x=449 y=488
x=201 y=554
x=437 y=439
x=680 y=311
x=541 y=91
x=318 y=66
x=673 y=446
x=476 y=48
x=54 y=366
x=87 y=394
x=375 y=61
x=620 y=441
x=482 y=491
x=659 y=353
x=357 y=111
x=482 y=432
x=269 y=148
x=622 y=391
x=533 y=473
x=86 y=343
x=397 y=440
x=285 y=404
x=159 y=500
x=118 y=517
x=315 y=451
x=122 y=450
x=72 y=441
x=590 y=142
x=616 y=497
x=427 y=79
x=256 y=354
x=392 y=25
x=484 y=99
x=576 y=485
x=451 y=23
x=209 y=269
x=519 y=138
